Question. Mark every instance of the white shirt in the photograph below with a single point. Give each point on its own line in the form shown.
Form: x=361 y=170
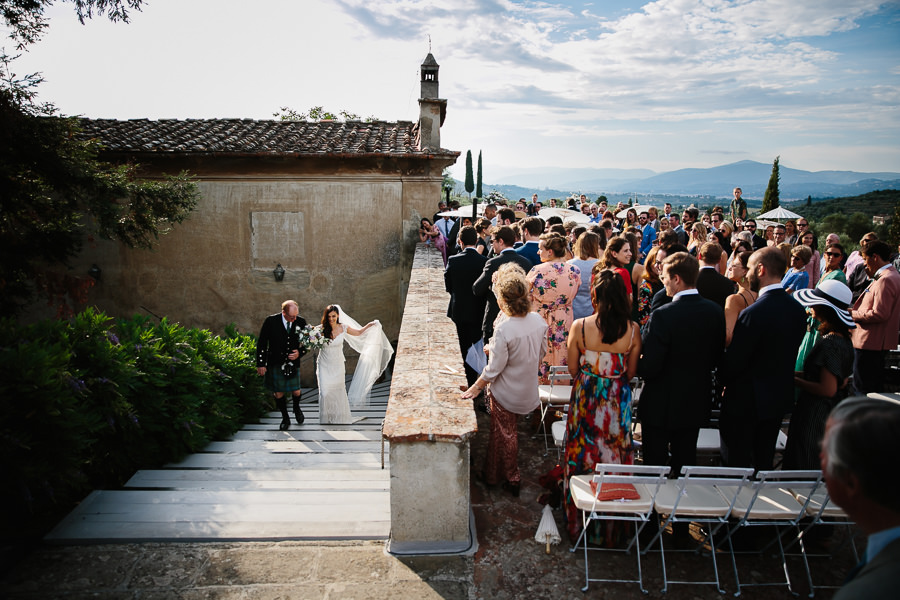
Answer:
x=769 y=288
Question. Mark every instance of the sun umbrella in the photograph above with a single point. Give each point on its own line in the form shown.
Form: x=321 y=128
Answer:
x=779 y=213
x=638 y=208
x=547 y=532
x=565 y=214
x=463 y=211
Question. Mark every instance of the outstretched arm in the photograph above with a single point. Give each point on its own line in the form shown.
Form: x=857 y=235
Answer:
x=353 y=331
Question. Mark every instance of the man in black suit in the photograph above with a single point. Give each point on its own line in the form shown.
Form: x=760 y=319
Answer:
x=278 y=353
x=661 y=298
x=682 y=344
x=502 y=241
x=466 y=310
x=710 y=283
x=758 y=369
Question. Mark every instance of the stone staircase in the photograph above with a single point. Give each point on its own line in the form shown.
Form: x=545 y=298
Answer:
x=313 y=481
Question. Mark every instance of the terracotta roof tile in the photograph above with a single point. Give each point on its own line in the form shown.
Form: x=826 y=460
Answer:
x=251 y=137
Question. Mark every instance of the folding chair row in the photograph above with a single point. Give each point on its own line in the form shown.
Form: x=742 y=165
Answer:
x=710 y=496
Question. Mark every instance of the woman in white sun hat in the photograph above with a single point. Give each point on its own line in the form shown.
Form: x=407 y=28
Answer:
x=822 y=383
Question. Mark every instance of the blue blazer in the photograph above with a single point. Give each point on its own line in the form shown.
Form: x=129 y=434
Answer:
x=530 y=251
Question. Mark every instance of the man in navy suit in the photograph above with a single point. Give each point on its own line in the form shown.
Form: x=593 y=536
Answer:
x=758 y=369
x=682 y=344
x=278 y=353
x=710 y=283
x=502 y=241
x=532 y=228
x=466 y=310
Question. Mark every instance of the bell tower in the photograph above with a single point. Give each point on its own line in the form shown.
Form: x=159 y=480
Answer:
x=432 y=110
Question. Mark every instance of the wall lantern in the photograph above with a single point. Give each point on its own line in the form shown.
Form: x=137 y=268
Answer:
x=279 y=273
x=95 y=272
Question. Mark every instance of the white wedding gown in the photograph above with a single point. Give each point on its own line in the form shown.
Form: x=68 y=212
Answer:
x=334 y=406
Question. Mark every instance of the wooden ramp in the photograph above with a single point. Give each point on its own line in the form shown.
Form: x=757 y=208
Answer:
x=313 y=481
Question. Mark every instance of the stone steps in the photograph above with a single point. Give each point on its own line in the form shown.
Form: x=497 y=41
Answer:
x=314 y=481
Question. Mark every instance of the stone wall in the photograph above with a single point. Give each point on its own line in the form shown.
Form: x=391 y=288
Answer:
x=428 y=425
x=344 y=234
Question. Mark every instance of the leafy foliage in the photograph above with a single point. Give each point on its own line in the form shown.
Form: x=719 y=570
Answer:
x=318 y=113
x=85 y=403
x=54 y=191
x=770 y=199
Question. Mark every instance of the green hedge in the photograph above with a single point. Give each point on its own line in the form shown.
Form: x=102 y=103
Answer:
x=86 y=402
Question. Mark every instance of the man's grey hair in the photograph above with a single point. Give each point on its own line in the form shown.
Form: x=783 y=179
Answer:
x=864 y=440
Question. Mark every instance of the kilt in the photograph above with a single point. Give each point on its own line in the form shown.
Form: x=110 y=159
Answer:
x=275 y=381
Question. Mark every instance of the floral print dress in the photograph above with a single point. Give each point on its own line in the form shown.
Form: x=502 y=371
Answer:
x=598 y=429
x=553 y=288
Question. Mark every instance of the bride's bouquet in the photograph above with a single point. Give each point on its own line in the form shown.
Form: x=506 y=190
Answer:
x=312 y=338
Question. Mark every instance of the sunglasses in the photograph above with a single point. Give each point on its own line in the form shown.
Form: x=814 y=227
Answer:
x=832 y=254
x=802 y=224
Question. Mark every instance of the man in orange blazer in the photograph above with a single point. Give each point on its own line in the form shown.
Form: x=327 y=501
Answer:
x=877 y=316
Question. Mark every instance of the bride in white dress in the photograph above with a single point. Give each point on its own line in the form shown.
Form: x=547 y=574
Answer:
x=375 y=353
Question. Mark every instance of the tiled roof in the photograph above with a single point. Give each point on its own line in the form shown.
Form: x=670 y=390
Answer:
x=251 y=137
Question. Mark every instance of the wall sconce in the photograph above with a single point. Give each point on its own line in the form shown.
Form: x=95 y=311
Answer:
x=95 y=272
x=278 y=272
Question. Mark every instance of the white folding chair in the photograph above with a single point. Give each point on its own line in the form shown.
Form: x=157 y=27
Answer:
x=554 y=396
x=770 y=501
x=701 y=495
x=647 y=481
x=824 y=513
x=558 y=431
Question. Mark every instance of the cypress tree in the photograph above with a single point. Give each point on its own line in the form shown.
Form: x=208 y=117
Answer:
x=470 y=183
x=770 y=200
x=478 y=193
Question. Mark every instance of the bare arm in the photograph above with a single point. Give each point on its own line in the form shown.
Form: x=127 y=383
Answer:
x=573 y=347
x=634 y=354
x=827 y=386
x=353 y=331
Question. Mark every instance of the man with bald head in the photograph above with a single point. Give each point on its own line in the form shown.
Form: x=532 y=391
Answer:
x=758 y=369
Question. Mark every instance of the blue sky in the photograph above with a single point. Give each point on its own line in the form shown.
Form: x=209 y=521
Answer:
x=607 y=84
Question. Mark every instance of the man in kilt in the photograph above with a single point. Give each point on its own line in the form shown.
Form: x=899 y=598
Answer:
x=278 y=353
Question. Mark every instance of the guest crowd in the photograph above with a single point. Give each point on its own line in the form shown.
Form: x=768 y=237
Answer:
x=708 y=313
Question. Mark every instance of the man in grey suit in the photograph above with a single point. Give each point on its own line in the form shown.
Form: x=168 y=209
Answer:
x=502 y=241
x=859 y=453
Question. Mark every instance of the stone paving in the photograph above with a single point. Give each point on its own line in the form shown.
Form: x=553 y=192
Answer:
x=508 y=563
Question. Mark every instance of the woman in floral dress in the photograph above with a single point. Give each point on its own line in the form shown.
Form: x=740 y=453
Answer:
x=554 y=284
x=603 y=354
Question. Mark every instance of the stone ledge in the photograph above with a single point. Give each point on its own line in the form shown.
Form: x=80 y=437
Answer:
x=424 y=404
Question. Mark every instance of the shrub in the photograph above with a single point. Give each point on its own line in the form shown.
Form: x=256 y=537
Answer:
x=86 y=402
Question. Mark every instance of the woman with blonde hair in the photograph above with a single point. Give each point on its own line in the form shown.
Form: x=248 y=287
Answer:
x=517 y=347
x=587 y=253
x=698 y=238
x=554 y=285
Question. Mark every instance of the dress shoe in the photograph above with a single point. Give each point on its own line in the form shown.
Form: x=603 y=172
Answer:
x=285 y=424
x=298 y=415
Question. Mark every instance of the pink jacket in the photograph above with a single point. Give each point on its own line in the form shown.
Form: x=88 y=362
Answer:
x=877 y=313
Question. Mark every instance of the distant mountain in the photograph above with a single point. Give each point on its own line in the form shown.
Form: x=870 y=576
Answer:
x=752 y=177
x=573 y=180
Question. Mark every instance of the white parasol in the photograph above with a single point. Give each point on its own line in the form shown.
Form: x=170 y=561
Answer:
x=565 y=214
x=638 y=208
x=778 y=213
x=547 y=532
x=463 y=211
